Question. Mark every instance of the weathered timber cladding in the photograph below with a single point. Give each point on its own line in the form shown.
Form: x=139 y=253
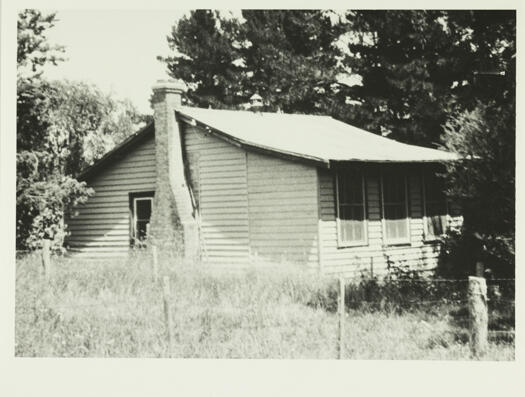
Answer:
x=418 y=253
x=218 y=178
x=102 y=226
x=282 y=197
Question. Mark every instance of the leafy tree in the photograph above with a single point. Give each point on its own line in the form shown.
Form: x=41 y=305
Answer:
x=484 y=185
x=83 y=124
x=62 y=127
x=484 y=127
x=42 y=202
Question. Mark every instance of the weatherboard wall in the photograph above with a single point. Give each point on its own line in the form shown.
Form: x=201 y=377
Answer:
x=218 y=178
x=101 y=227
x=283 y=211
x=375 y=253
x=253 y=208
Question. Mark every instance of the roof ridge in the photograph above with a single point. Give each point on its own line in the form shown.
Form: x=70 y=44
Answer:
x=250 y=111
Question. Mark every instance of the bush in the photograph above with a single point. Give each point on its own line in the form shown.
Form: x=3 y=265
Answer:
x=41 y=207
x=403 y=289
x=461 y=250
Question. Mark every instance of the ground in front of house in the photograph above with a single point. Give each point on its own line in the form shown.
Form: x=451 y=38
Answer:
x=114 y=309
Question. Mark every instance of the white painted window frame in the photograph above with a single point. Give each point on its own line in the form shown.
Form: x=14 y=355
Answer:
x=426 y=234
x=135 y=200
x=358 y=243
x=398 y=241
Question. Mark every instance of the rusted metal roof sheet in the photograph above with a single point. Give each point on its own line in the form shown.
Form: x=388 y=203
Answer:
x=318 y=138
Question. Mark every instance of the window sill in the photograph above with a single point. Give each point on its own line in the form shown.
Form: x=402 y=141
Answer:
x=352 y=245
x=396 y=243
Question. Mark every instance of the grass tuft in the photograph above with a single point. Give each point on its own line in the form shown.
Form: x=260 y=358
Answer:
x=114 y=309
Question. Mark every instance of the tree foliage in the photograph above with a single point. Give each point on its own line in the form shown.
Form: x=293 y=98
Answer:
x=33 y=49
x=288 y=57
x=78 y=123
x=404 y=60
x=484 y=184
x=419 y=67
x=62 y=127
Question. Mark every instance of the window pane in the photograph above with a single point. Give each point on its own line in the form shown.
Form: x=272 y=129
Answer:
x=351 y=209
x=393 y=188
x=396 y=229
x=351 y=230
x=143 y=209
x=350 y=190
x=395 y=206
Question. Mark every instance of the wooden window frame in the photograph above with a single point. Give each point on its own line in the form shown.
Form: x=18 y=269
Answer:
x=358 y=243
x=427 y=237
x=398 y=241
x=133 y=196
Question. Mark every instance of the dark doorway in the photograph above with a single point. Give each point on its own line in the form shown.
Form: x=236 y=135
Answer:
x=141 y=205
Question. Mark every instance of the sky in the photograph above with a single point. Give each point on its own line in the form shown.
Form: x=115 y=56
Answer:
x=114 y=49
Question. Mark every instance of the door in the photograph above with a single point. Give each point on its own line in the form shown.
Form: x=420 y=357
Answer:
x=141 y=218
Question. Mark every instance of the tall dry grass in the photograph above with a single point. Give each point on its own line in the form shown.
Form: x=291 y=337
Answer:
x=113 y=308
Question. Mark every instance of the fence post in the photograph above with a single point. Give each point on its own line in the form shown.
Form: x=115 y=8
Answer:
x=477 y=297
x=167 y=313
x=341 y=334
x=46 y=257
x=480 y=269
x=371 y=267
x=155 y=263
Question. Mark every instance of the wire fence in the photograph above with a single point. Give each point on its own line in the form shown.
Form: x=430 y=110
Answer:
x=448 y=298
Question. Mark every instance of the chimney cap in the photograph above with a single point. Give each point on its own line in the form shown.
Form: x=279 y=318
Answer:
x=170 y=85
x=256 y=101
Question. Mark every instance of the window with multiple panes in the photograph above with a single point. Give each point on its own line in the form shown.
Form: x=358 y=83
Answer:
x=351 y=207
x=351 y=224
x=395 y=207
x=435 y=206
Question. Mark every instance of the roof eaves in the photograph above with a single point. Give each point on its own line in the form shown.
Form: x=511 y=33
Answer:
x=418 y=161
x=121 y=148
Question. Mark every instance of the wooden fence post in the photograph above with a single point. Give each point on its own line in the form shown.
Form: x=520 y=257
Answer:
x=341 y=334
x=477 y=297
x=155 y=263
x=480 y=269
x=371 y=267
x=46 y=257
x=167 y=313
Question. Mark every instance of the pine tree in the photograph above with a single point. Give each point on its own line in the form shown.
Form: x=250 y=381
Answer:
x=418 y=67
x=288 y=57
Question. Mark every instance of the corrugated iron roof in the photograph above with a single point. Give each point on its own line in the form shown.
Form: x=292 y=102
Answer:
x=318 y=138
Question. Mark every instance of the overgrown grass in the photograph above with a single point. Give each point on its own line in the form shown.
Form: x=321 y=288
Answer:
x=113 y=309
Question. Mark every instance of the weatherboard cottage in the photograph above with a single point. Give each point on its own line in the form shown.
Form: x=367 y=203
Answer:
x=242 y=187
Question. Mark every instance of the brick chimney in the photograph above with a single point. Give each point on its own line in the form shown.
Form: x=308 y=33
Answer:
x=173 y=224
